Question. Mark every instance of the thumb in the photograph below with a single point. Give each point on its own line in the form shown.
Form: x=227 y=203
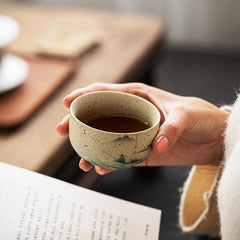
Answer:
x=169 y=131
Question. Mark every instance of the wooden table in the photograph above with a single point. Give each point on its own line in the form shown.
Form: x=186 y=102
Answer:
x=124 y=55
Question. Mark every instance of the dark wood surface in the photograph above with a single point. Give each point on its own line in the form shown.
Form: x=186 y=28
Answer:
x=127 y=46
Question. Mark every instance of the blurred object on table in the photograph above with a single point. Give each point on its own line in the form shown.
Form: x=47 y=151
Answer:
x=13 y=70
x=105 y=26
x=67 y=43
x=9 y=30
x=45 y=76
x=38 y=78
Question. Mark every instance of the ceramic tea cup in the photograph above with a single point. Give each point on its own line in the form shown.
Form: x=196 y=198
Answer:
x=112 y=149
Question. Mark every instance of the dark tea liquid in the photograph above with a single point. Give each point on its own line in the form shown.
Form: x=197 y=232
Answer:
x=119 y=124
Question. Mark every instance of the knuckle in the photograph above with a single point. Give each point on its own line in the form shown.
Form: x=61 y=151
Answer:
x=185 y=111
x=135 y=86
x=182 y=109
x=96 y=86
x=76 y=91
x=139 y=89
x=173 y=129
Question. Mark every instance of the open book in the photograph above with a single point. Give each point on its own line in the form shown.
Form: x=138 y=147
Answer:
x=34 y=206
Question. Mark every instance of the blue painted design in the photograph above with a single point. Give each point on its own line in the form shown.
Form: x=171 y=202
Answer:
x=116 y=163
x=126 y=138
x=135 y=160
x=121 y=159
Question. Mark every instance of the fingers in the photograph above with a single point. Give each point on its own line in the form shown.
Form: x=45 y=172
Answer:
x=103 y=171
x=133 y=88
x=91 y=88
x=62 y=127
x=170 y=131
x=86 y=166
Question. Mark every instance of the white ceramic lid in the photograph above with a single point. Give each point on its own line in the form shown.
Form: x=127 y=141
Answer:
x=9 y=30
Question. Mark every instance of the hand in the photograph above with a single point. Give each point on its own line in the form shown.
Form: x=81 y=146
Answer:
x=190 y=132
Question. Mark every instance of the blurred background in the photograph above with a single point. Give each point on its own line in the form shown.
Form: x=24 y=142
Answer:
x=199 y=56
x=202 y=24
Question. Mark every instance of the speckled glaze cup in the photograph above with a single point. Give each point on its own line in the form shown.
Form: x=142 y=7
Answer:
x=111 y=149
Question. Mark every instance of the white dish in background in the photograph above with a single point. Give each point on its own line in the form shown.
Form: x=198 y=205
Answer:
x=9 y=30
x=13 y=72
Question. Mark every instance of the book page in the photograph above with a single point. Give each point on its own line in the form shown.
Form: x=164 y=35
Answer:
x=34 y=206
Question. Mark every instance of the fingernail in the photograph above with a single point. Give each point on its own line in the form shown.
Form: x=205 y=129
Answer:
x=66 y=98
x=62 y=121
x=161 y=144
x=58 y=126
x=100 y=170
x=74 y=92
x=81 y=164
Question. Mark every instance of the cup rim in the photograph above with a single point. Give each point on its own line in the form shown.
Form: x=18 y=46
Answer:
x=156 y=122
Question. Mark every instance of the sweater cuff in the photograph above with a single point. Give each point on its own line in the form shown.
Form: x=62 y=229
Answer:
x=198 y=206
x=227 y=108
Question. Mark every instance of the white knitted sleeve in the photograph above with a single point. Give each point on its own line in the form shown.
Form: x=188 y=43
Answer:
x=229 y=184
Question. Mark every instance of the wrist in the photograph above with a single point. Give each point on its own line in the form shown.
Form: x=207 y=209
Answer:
x=226 y=108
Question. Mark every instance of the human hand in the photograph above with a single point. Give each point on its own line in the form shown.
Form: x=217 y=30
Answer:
x=190 y=133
